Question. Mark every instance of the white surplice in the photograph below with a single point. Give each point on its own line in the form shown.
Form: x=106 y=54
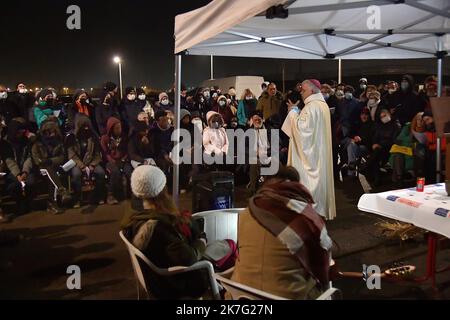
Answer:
x=310 y=151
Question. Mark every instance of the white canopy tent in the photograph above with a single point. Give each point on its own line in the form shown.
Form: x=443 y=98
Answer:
x=314 y=29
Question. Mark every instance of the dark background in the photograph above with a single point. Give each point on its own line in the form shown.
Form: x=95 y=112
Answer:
x=37 y=48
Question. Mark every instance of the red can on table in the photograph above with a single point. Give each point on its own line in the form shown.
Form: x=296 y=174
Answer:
x=420 y=184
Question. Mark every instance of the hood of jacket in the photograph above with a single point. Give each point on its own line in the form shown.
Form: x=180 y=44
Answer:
x=112 y=121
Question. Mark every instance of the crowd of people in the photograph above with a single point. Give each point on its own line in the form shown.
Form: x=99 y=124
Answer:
x=99 y=144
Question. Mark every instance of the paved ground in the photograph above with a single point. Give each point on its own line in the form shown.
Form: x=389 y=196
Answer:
x=35 y=268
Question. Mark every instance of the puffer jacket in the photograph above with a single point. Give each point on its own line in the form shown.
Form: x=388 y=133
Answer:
x=92 y=156
x=41 y=151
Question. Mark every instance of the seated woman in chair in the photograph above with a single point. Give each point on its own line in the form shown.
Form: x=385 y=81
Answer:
x=166 y=237
x=283 y=243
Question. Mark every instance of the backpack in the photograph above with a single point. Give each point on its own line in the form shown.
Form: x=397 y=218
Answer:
x=222 y=254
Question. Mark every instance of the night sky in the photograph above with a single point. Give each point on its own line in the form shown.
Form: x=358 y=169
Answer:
x=36 y=46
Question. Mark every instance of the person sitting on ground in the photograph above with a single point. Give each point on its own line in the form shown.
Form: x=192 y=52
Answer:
x=84 y=149
x=114 y=146
x=48 y=154
x=294 y=266
x=164 y=236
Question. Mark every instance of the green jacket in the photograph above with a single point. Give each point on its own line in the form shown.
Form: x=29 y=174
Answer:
x=405 y=139
x=269 y=105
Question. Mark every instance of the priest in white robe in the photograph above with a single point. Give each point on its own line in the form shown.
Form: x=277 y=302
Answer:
x=310 y=149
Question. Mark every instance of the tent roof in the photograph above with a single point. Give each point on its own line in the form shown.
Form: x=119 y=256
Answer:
x=316 y=29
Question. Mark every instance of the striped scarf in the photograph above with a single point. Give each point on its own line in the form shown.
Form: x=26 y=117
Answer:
x=285 y=210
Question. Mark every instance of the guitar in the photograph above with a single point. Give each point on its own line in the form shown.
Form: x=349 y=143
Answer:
x=397 y=271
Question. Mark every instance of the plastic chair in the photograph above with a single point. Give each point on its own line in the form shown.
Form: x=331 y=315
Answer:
x=137 y=255
x=240 y=291
x=220 y=224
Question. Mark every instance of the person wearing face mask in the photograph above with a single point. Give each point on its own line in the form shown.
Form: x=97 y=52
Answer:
x=144 y=104
x=429 y=91
x=161 y=134
x=47 y=108
x=81 y=105
x=374 y=105
x=114 y=148
x=406 y=102
x=223 y=108
x=428 y=157
x=129 y=108
x=48 y=154
x=311 y=149
x=164 y=103
x=386 y=131
x=246 y=107
x=15 y=152
x=362 y=86
x=347 y=112
x=108 y=106
x=23 y=101
x=215 y=139
x=84 y=149
x=7 y=108
x=259 y=152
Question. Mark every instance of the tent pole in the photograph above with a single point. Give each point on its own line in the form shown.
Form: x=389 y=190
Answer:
x=176 y=167
x=212 y=67
x=339 y=71
x=439 y=93
x=283 y=75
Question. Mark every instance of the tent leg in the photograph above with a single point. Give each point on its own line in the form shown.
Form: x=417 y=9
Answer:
x=439 y=94
x=212 y=67
x=176 y=167
x=339 y=71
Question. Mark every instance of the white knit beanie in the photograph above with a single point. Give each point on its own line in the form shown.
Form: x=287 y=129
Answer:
x=147 y=181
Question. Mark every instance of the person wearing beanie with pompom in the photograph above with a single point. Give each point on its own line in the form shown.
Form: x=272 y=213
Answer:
x=167 y=237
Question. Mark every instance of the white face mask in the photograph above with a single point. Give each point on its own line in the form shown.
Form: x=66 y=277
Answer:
x=363 y=86
x=214 y=95
x=3 y=95
x=164 y=102
x=131 y=97
x=22 y=90
x=206 y=94
x=339 y=94
x=372 y=103
x=142 y=97
x=386 y=119
x=222 y=103
x=391 y=91
x=87 y=101
x=248 y=98
x=348 y=95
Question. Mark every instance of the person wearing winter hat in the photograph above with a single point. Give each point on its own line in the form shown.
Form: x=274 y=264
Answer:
x=108 y=106
x=47 y=108
x=164 y=102
x=215 y=139
x=161 y=134
x=165 y=236
x=140 y=148
x=114 y=147
x=81 y=105
x=84 y=149
x=362 y=85
x=144 y=104
x=223 y=108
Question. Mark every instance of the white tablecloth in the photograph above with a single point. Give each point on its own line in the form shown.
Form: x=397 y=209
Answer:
x=429 y=210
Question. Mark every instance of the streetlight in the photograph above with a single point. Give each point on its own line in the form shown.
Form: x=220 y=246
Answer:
x=119 y=63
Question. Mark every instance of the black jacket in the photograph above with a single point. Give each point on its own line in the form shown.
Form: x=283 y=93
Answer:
x=106 y=108
x=406 y=103
x=386 y=133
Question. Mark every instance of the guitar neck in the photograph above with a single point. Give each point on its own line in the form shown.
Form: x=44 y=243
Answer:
x=356 y=274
